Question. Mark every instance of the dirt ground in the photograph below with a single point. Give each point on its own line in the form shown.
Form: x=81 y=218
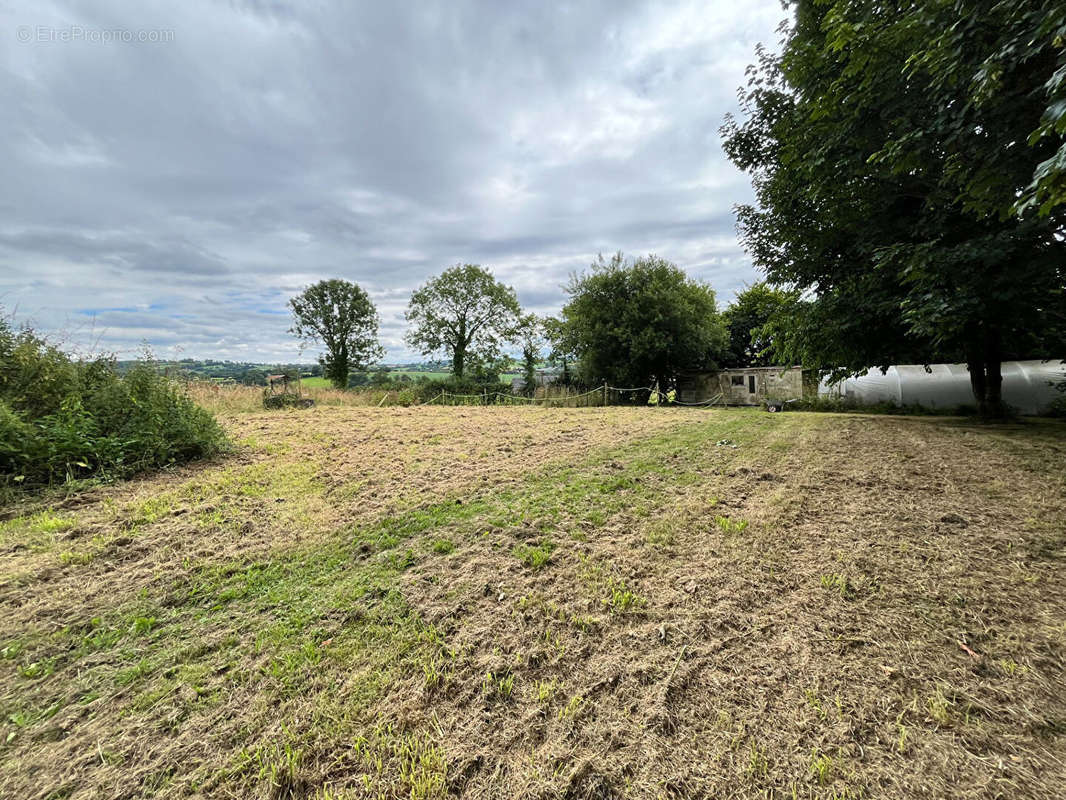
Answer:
x=570 y=603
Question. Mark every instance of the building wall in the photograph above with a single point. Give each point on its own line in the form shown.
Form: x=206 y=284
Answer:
x=744 y=387
x=543 y=378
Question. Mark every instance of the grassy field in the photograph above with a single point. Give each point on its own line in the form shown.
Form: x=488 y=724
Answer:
x=521 y=602
x=237 y=399
x=315 y=383
x=414 y=375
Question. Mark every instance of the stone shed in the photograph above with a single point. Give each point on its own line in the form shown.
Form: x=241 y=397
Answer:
x=748 y=386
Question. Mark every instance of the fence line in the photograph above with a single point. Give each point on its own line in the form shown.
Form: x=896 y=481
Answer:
x=483 y=399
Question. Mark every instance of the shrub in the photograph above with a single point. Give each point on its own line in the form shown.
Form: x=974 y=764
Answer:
x=1057 y=408
x=62 y=418
x=476 y=391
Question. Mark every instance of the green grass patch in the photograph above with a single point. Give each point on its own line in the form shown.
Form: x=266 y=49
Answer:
x=535 y=556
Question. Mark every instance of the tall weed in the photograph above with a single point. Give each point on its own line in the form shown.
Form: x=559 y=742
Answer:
x=63 y=419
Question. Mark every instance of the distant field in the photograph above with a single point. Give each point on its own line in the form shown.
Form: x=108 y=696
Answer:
x=412 y=374
x=315 y=383
x=526 y=602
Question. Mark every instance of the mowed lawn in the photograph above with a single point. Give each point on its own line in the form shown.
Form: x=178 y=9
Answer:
x=571 y=603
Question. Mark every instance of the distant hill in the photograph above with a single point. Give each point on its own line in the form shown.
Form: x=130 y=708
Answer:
x=249 y=373
x=254 y=373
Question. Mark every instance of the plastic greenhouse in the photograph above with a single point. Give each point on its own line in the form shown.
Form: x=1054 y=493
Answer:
x=1029 y=387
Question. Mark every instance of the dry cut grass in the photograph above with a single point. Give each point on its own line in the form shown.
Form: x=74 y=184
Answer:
x=519 y=602
x=238 y=399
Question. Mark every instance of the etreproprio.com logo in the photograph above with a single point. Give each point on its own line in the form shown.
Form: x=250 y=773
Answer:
x=51 y=34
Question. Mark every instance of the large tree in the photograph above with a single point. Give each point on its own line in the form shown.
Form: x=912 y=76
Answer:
x=746 y=318
x=340 y=316
x=466 y=313
x=887 y=171
x=632 y=323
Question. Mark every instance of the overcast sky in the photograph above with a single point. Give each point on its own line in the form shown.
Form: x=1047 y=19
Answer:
x=173 y=172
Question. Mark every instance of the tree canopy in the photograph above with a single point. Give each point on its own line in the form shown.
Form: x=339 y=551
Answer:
x=631 y=323
x=746 y=319
x=339 y=315
x=1001 y=57
x=466 y=313
x=531 y=338
x=559 y=353
x=888 y=152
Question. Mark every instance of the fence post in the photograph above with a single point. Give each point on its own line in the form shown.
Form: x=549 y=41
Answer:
x=605 y=394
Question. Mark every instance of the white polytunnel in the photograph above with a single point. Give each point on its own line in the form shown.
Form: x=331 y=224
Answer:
x=1029 y=387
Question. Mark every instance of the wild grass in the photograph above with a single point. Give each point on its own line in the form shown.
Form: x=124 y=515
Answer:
x=497 y=686
x=238 y=399
x=611 y=589
x=535 y=556
x=730 y=526
x=823 y=767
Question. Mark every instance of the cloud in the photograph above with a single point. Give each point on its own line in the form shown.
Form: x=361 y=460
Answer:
x=179 y=191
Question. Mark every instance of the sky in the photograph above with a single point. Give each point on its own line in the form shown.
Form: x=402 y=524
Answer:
x=173 y=172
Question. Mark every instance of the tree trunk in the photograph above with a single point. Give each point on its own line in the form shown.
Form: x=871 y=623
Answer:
x=459 y=356
x=978 y=383
x=340 y=368
x=986 y=378
x=994 y=387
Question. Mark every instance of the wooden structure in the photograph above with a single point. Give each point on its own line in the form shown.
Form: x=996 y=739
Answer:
x=278 y=394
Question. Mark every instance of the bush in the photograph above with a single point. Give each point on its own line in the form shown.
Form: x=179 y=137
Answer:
x=1057 y=408
x=62 y=419
x=843 y=405
x=428 y=390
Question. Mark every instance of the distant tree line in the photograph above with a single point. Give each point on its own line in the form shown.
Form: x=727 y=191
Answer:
x=242 y=372
x=626 y=322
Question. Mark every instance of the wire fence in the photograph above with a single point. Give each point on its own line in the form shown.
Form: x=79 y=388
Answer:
x=605 y=395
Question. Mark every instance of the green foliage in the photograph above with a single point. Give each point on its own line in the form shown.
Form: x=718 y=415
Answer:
x=886 y=194
x=466 y=313
x=727 y=525
x=1058 y=408
x=531 y=337
x=84 y=420
x=1008 y=60
x=632 y=323
x=746 y=319
x=559 y=353
x=443 y=546
x=223 y=372
x=427 y=390
x=535 y=556
x=341 y=316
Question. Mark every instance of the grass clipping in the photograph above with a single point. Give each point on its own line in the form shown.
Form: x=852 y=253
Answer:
x=596 y=603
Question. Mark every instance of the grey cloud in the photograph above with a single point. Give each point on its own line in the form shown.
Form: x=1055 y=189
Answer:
x=197 y=184
x=142 y=254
